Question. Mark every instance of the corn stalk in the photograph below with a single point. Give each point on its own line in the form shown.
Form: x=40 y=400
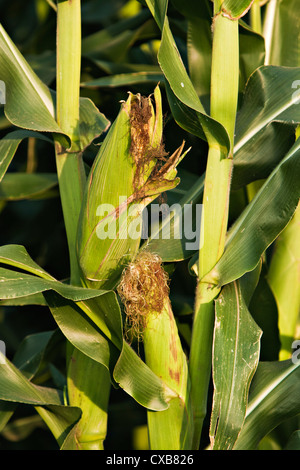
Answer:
x=224 y=92
x=90 y=394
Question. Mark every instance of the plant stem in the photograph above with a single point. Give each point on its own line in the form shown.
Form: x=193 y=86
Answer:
x=256 y=24
x=224 y=93
x=69 y=163
x=88 y=381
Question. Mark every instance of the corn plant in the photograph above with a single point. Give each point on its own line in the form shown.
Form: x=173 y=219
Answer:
x=189 y=319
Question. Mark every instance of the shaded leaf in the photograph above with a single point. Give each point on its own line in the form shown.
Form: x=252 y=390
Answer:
x=18 y=186
x=9 y=145
x=125 y=79
x=274 y=397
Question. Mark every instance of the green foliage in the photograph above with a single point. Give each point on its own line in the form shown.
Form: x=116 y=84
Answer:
x=220 y=79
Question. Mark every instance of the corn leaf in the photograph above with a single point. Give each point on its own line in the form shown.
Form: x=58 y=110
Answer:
x=17 y=256
x=236 y=9
x=135 y=377
x=9 y=145
x=274 y=397
x=25 y=91
x=92 y=325
x=31 y=352
x=15 y=387
x=113 y=42
x=175 y=238
x=24 y=88
x=293 y=442
x=235 y=359
x=125 y=79
x=274 y=102
x=283 y=278
x=173 y=68
x=18 y=186
x=80 y=331
x=20 y=284
x=261 y=222
x=286 y=26
x=127 y=369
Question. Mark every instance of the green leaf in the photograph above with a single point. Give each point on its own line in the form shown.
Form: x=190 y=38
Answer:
x=261 y=222
x=175 y=238
x=17 y=256
x=265 y=124
x=112 y=43
x=135 y=377
x=81 y=331
x=252 y=52
x=236 y=9
x=7 y=409
x=18 y=186
x=274 y=397
x=35 y=299
x=61 y=420
x=286 y=26
x=268 y=98
x=112 y=68
x=127 y=369
x=125 y=79
x=31 y=351
x=84 y=319
x=9 y=145
x=15 y=387
x=24 y=90
x=235 y=359
x=21 y=428
x=92 y=122
x=293 y=442
x=180 y=83
x=15 y=284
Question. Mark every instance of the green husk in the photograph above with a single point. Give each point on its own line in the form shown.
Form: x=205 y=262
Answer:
x=130 y=170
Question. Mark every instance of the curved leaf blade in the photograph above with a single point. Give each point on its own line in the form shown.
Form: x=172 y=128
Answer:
x=19 y=186
x=235 y=359
x=17 y=256
x=9 y=145
x=124 y=79
x=23 y=87
x=261 y=222
x=274 y=397
x=269 y=97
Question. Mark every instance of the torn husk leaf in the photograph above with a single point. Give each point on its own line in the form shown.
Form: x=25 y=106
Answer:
x=144 y=292
x=130 y=170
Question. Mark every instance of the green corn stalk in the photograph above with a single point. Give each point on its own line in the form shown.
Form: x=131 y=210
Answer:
x=110 y=225
x=144 y=291
x=224 y=93
x=88 y=382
